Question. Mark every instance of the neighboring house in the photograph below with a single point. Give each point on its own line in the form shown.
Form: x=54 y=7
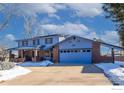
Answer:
x=63 y=49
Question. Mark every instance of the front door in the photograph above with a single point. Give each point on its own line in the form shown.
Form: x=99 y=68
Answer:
x=27 y=56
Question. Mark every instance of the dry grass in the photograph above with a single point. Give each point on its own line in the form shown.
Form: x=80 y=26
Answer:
x=69 y=75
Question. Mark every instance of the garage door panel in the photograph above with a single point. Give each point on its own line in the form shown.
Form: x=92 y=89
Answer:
x=82 y=56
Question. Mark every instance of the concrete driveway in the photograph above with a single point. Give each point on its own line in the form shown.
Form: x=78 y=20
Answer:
x=59 y=75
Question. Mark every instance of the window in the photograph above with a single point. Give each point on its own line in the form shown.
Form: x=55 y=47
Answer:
x=64 y=51
x=68 y=51
x=76 y=51
x=38 y=42
x=71 y=50
x=73 y=44
x=24 y=43
x=34 y=43
x=19 y=43
x=88 y=50
x=61 y=51
x=48 y=40
x=83 y=50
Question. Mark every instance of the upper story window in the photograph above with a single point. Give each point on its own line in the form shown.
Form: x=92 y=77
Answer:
x=19 y=43
x=24 y=43
x=34 y=42
x=48 y=40
x=38 y=41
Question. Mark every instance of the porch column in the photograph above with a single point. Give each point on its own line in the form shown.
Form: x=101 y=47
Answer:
x=112 y=52
x=35 y=55
x=22 y=53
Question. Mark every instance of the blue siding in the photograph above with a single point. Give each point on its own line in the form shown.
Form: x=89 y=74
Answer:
x=56 y=39
x=77 y=43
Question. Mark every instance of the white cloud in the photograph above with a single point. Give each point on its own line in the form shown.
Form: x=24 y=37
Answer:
x=82 y=9
x=86 y=9
x=66 y=28
x=111 y=37
x=34 y=9
x=60 y=6
x=31 y=9
x=10 y=37
x=54 y=16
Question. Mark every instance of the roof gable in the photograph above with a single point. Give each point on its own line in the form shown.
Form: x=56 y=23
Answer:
x=68 y=38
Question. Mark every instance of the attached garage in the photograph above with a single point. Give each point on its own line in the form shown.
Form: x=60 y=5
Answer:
x=75 y=50
x=75 y=56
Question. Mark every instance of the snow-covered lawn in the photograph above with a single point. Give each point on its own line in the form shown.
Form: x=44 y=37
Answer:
x=12 y=73
x=113 y=71
x=121 y=63
x=36 y=64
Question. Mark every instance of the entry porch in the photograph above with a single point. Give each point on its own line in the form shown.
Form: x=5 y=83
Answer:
x=33 y=55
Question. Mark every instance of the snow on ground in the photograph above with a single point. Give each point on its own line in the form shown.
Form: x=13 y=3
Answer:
x=121 y=63
x=113 y=71
x=34 y=64
x=12 y=73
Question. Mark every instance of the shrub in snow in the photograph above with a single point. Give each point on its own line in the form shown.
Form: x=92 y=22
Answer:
x=6 y=65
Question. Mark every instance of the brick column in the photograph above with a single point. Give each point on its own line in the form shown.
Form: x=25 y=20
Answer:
x=21 y=53
x=56 y=54
x=96 y=52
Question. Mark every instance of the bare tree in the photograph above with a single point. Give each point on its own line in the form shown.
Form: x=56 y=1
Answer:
x=4 y=54
x=7 y=17
x=10 y=10
x=29 y=23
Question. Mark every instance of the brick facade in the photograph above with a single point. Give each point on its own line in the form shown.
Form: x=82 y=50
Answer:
x=96 y=57
x=56 y=54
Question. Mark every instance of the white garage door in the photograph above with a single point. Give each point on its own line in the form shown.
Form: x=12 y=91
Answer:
x=75 y=56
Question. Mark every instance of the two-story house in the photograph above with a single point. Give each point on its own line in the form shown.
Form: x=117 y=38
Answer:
x=38 y=48
x=64 y=49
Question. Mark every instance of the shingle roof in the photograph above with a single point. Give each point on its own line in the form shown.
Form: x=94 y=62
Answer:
x=41 y=36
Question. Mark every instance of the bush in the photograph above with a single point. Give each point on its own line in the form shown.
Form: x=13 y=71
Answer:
x=6 y=65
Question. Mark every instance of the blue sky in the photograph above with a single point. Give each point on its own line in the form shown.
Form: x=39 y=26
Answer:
x=86 y=20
